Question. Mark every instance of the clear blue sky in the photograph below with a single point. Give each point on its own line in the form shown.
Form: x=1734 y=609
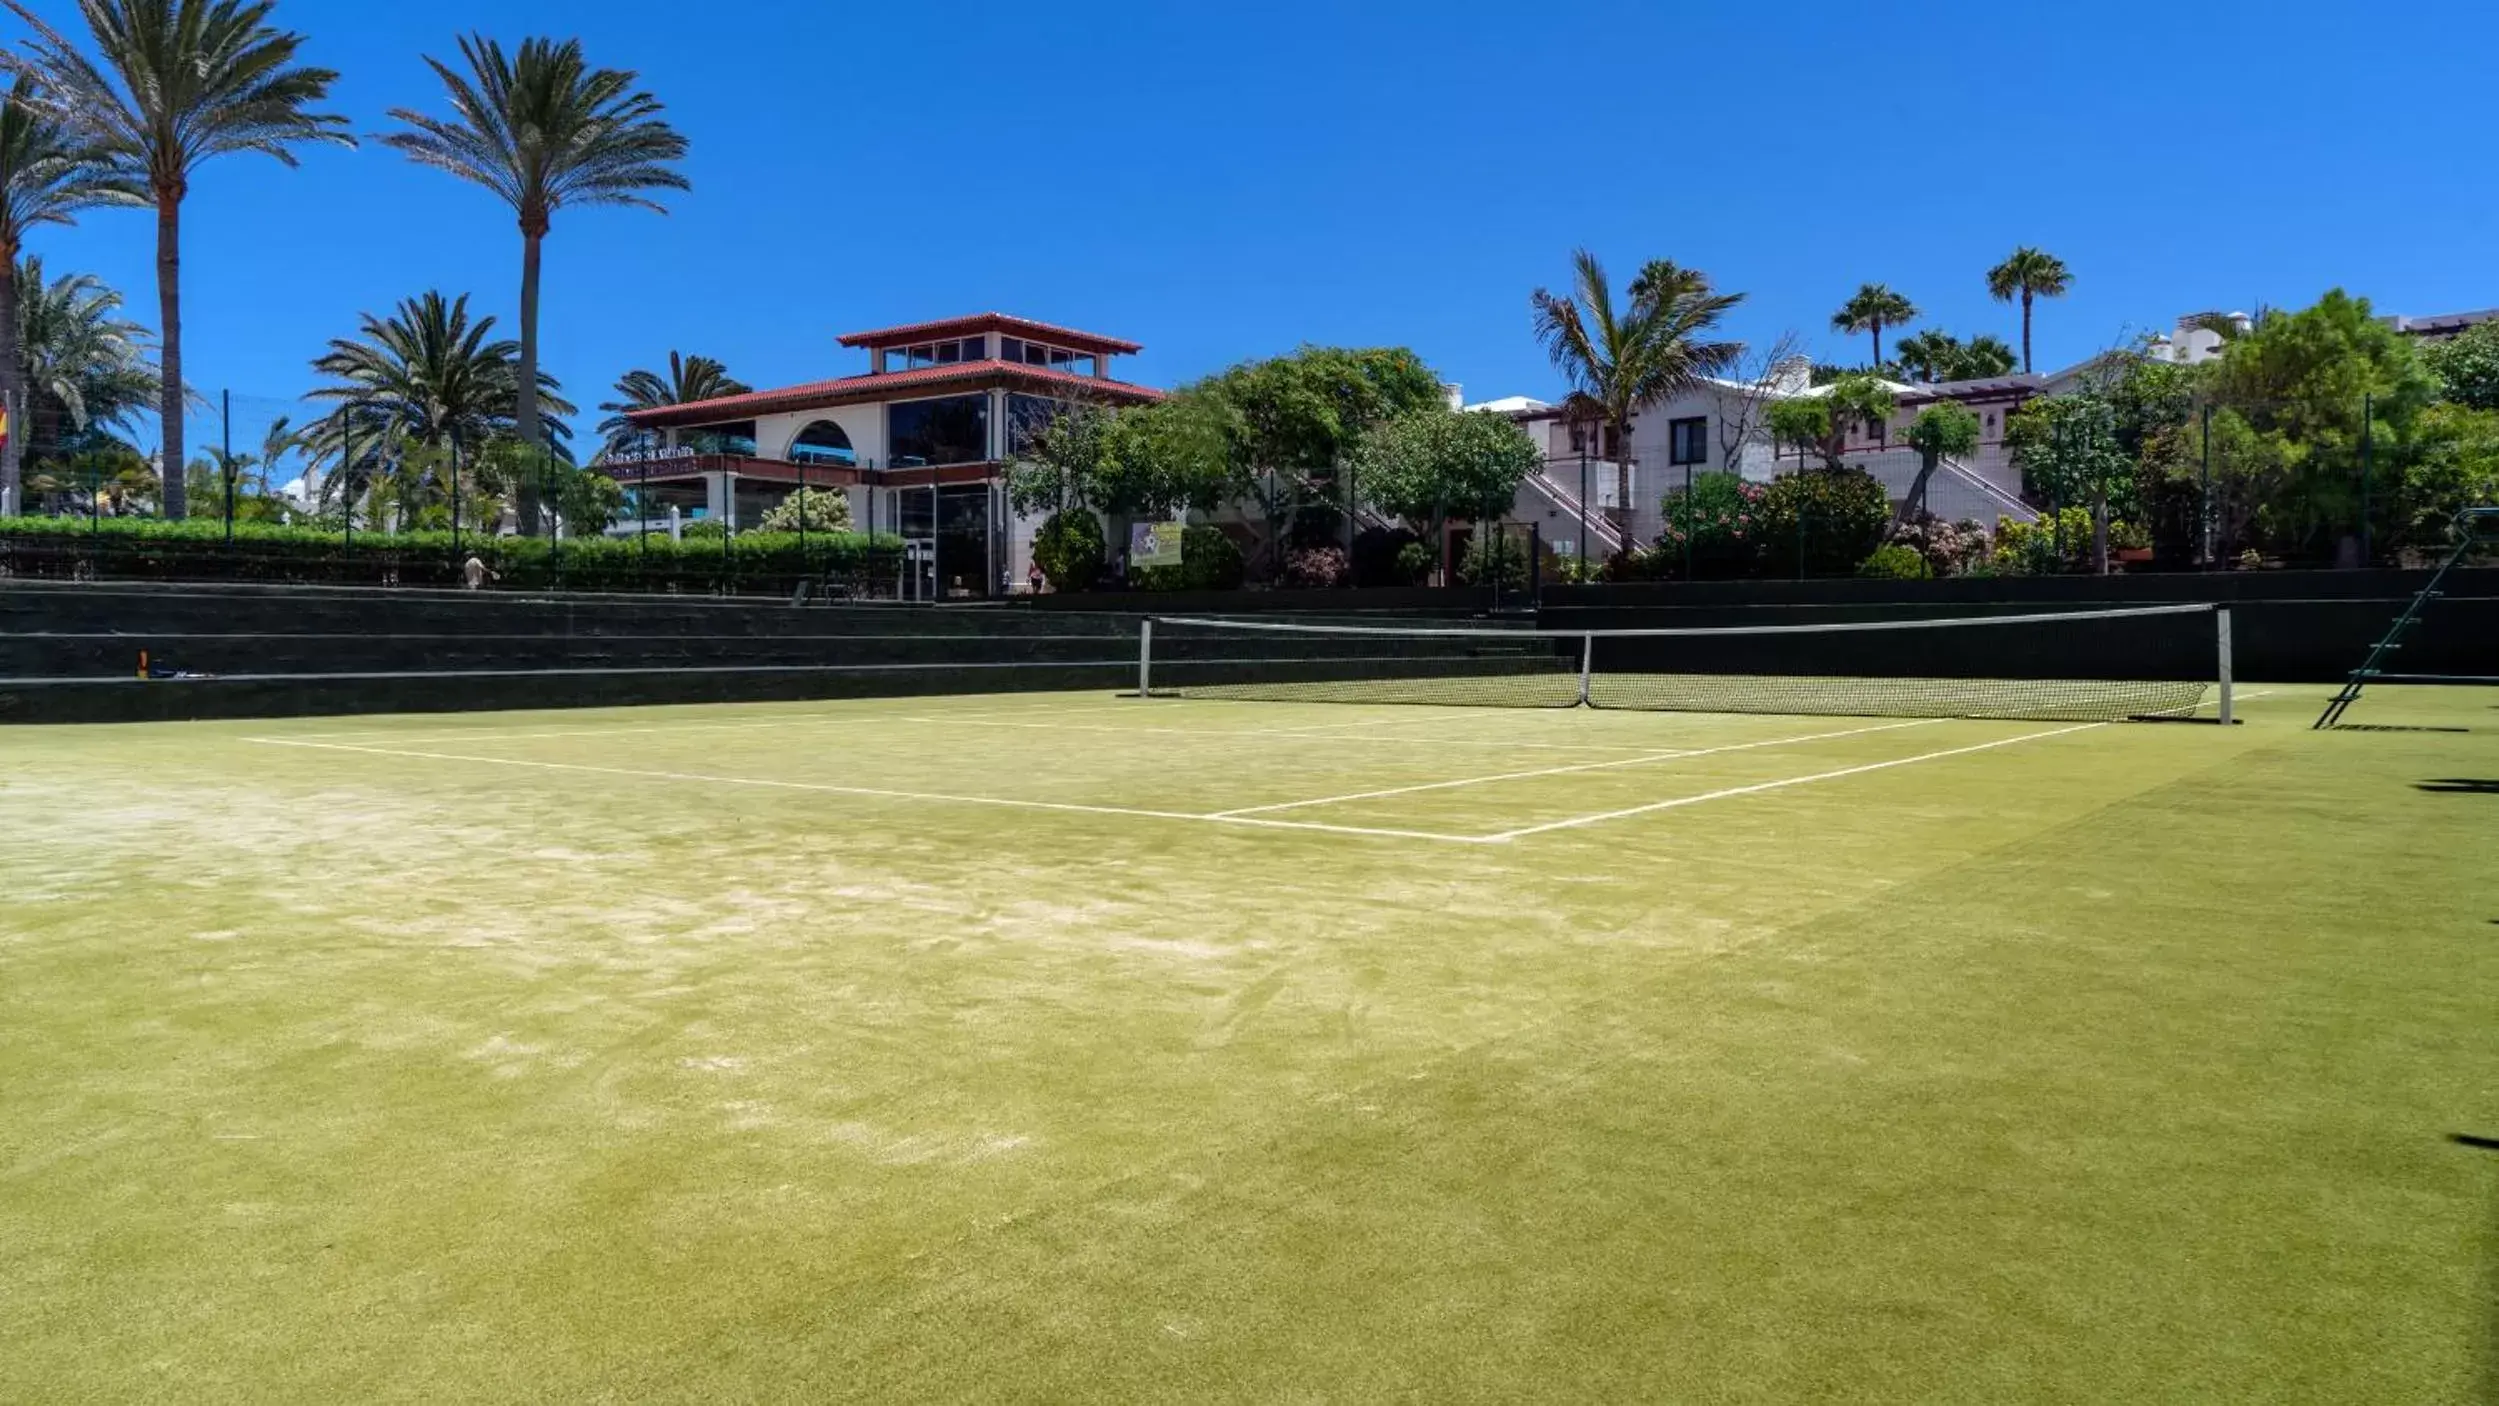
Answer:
x=1224 y=182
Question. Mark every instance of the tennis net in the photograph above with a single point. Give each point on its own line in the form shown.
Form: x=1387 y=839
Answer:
x=2083 y=666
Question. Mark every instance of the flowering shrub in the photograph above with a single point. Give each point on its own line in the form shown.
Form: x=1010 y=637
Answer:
x=1723 y=518
x=1315 y=567
x=1950 y=548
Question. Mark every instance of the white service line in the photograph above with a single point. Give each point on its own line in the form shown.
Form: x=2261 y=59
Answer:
x=1567 y=770
x=1758 y=787
x=876 y=792
x=1299 y=734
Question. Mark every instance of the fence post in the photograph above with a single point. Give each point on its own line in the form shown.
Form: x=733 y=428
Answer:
x=1583 y=513
x=225 y=456
x=1145 y=658
x=2221 y=632
x=2210 y=547
x=1687 y=522
x=2368 y=424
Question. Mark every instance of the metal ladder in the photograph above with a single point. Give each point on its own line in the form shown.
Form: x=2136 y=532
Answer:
x=2466 y=540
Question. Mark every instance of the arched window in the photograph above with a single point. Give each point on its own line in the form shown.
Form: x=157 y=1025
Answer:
x=822 y=442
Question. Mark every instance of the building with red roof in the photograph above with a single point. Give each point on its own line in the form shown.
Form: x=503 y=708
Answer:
x=919 y=442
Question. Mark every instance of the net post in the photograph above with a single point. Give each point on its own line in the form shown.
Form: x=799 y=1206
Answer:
x=1587 y=665
x=1145 y=658
x=2221 y=640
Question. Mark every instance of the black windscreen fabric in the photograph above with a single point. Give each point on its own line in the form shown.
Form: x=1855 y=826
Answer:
x=2091 y=666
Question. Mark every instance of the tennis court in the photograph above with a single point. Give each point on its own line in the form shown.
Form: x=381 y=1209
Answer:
x=1073 y=1045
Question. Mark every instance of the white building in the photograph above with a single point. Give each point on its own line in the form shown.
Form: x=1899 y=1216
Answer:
x=919 y=443
x=1722 y=426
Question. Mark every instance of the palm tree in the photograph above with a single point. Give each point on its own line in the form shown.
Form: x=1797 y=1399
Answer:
x=82 y=363
x=543 y=130
x=1617 y=359
x=1982 y=356
x=1930 y=356
x=180 y=81
x=47 y=175
x=1874 y=308
x=689 y=379
x=2029 y=273
x=424 y=379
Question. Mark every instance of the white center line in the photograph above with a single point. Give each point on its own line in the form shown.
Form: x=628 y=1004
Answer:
x=1761 y=786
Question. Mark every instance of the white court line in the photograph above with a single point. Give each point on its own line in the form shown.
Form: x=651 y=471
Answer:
x=1567 y=770
x=878 y=792
x=768 y=720
x=1758 y=787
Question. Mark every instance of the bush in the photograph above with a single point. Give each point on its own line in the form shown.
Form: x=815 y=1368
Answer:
x=824 y=510
x=1482 y=558
x=1894 y=562
x=1209 y=561
x=1313 y=568
x=1070 y=549
x=1727 y=527
x=197 y=550
x=1950 y=548
x=1415 y=563
x=1843 y=513
x=2030 y=548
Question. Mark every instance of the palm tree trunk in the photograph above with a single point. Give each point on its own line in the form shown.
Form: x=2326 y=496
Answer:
x=2026 y=331
x=525 y=405
x=1878 y=346
x=169 y=324
x=12 y=389
x=1622 y=479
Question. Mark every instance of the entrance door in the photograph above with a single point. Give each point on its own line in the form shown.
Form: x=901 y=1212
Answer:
x=965 y=565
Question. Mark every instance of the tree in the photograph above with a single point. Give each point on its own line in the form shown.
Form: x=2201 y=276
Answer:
x=2068 y=451
x=2028 y=273
x=428 y=377
x=1746 y=390
x=2319 y=385
x=47 y=174
x=1873 y=308
x=2468 y=367
x=1929 y=356
x=1620 y=358
x=1944 y=430
x=1820 y=423
x=1288 y=423
x=689 y=379
x=543 y=130
x=1935 y=355
x=179 y=82
x=1439 y=463
x=84 y=365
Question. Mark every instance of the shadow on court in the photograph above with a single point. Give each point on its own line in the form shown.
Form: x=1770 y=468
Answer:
x=2459 y=786
x=2490 y=1343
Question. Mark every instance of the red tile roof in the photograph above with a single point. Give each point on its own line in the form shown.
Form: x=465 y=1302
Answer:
x=851 y=390
x=1067 y=337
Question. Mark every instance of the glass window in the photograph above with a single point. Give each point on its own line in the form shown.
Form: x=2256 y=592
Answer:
x=948 y=353
x=1010 y=349
x=822 y=443
x=1027 y=416
x=735 y=438
x=1687 y=441
x=951 y=429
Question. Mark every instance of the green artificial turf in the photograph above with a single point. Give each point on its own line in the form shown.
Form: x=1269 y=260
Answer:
x=754 y=1052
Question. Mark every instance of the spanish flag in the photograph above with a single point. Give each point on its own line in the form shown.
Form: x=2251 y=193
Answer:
x=5 y=427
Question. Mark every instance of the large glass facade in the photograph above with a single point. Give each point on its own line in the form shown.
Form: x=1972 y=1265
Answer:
x=1027 y=417
x=951 y=429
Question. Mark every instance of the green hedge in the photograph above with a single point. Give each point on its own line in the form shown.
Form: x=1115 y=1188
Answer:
x=198 y=550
